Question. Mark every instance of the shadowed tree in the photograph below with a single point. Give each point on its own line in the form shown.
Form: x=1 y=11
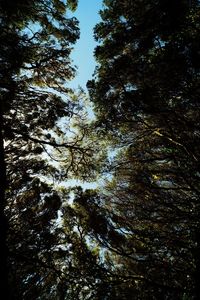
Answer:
x=36 y=41
x=145 y=93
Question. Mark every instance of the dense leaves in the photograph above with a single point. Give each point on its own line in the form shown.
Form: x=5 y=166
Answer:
x=138 y=235
x=146 y=94
x=38 y=113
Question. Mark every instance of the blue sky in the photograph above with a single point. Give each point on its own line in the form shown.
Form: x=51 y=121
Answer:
x=82 y=56
x=87 y=14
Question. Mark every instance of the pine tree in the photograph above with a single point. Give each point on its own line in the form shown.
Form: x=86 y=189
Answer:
x=146 y=93
x=36 y=39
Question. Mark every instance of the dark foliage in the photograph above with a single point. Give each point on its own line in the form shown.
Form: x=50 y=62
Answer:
x=146 y=95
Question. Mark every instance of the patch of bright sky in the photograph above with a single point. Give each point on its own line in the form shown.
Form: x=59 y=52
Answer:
x=76 y=182
x=83 y=58
x=82 y=55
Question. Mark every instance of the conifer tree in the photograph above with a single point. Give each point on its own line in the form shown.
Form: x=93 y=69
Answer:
x=145 y=93
x=36 y=41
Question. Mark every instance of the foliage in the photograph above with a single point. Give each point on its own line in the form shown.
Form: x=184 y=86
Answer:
x=137 y=236
x=145 y=93
x=38 y=113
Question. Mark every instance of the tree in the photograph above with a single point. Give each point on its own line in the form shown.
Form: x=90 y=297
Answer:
x=145 y=93
x=36 y=39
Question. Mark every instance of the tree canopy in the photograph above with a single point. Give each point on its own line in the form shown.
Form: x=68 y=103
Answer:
x=146 y=94
x=137 y=235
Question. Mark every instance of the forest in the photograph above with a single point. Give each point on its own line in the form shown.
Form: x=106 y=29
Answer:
x=135 y=235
